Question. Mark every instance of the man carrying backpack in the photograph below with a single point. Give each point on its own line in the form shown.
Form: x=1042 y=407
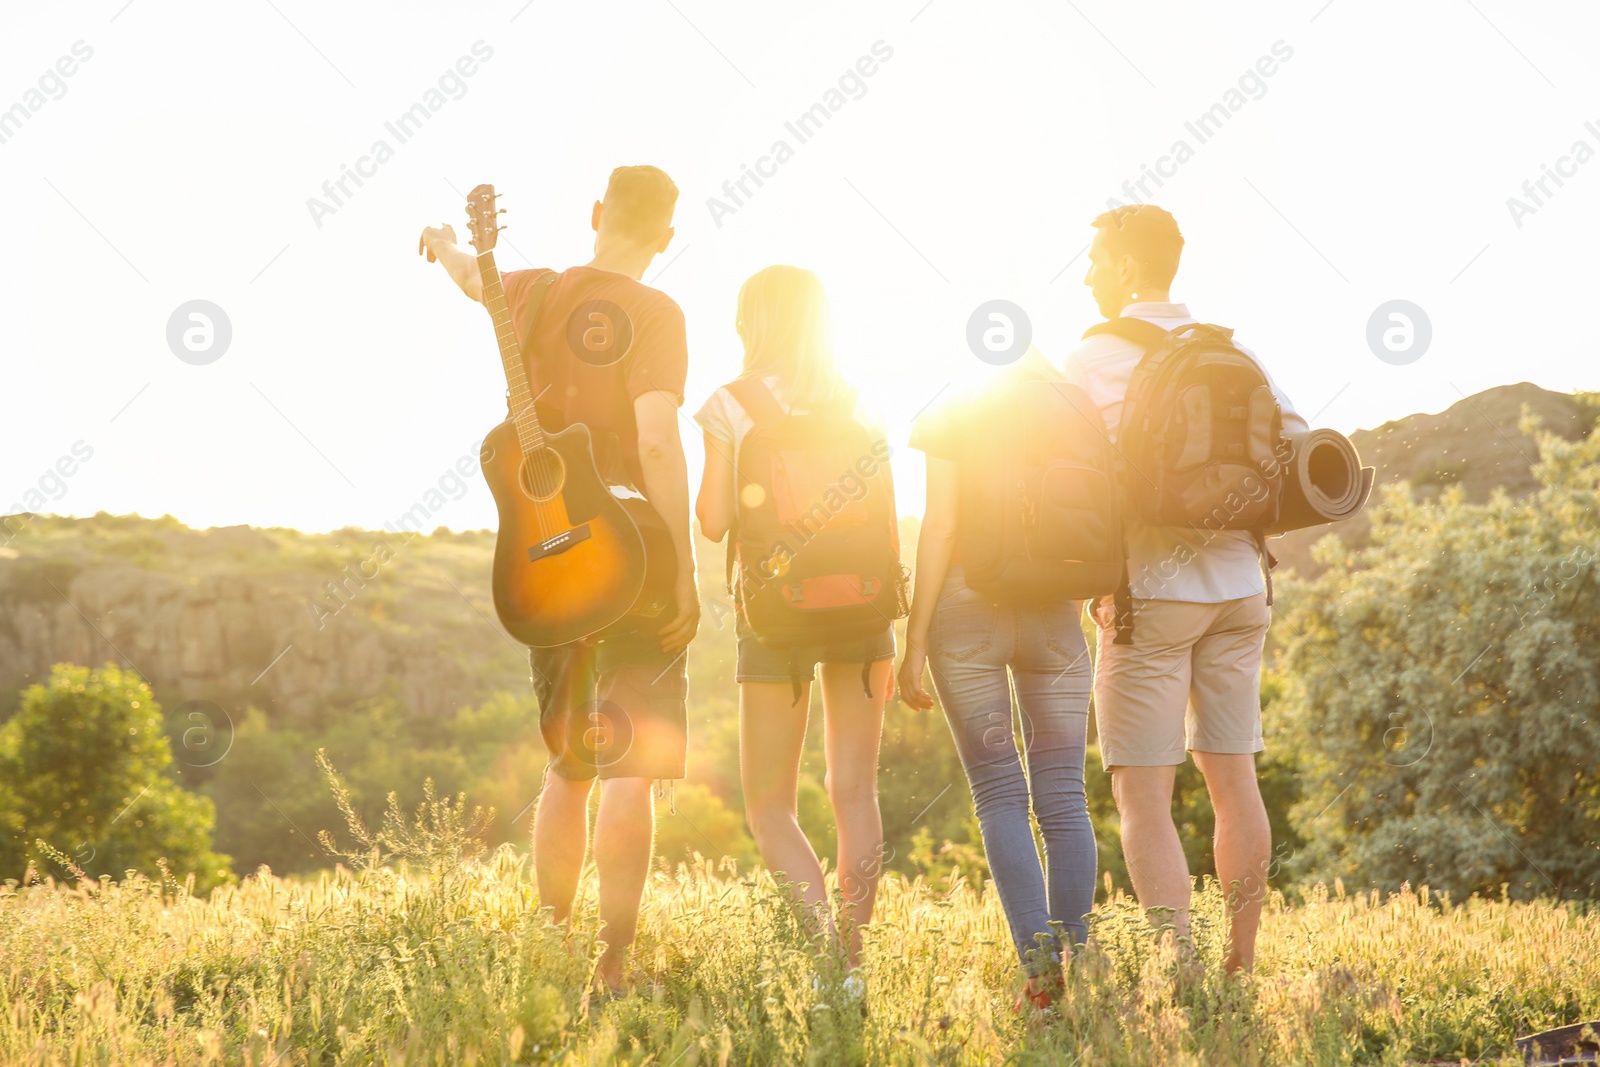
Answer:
x=1200 y=447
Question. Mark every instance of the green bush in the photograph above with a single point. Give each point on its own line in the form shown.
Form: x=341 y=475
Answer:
x=1444 y=683
x=86 y=757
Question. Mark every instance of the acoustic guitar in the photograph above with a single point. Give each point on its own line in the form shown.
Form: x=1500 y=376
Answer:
x=574 y=557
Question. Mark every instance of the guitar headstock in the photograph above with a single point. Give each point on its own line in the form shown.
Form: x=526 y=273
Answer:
x=481 y=218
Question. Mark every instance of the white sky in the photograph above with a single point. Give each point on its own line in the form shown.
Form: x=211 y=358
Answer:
x=178 y=163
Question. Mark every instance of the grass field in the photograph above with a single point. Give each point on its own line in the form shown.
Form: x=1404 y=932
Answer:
x=460 y=966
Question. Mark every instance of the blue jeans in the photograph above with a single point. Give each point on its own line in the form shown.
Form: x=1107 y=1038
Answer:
x=974 y=643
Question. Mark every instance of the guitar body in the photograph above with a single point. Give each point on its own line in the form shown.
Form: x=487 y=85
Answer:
x=571 y=560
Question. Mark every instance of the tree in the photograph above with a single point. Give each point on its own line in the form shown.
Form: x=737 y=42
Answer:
x=85 y=757
x=1444 y=686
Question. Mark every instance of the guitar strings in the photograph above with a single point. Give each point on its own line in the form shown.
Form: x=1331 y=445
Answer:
x=543 y=483
x=529 y=440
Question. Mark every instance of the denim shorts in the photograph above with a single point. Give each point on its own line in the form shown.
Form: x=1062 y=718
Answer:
x=758 y=663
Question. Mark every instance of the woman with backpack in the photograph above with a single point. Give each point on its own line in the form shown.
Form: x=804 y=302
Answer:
x=799 y=482
x=999 y=559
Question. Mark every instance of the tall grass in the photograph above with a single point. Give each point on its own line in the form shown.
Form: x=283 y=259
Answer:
x=454 y=962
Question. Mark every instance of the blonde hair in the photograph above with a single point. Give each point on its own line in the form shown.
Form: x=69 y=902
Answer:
x=784 y=324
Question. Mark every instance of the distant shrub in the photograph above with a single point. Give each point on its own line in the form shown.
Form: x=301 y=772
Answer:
x=1443 y=687
x=1589 y=404
x=85 y=757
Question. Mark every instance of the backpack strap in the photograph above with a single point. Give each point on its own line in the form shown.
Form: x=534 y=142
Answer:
x=1122 y=607
x=1146 y=335
x=757 y=400
x=763 y=408
x=537 y=291
x=797 y=686
x=1268 y=561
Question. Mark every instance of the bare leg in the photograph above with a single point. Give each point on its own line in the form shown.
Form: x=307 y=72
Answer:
x=1243 y=846
x=560 y=841
x=854 y=724
x=623 y=837
x=772 y=733
x=1150 y=844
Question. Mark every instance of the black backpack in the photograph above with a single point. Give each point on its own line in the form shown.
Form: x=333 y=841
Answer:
x=1201 y=442
x=1040 y=519
x=814 y=554
x=1201 y=430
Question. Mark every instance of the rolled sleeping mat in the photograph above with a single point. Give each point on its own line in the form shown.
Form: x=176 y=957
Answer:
x=1325 y=481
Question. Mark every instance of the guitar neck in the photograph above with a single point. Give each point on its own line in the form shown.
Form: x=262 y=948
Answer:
x=529 y=432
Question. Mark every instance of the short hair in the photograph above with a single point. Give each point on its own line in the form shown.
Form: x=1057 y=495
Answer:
x=1148 y=234
x=639 y=202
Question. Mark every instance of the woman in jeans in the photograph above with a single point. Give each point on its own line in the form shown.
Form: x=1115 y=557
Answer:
x=979 y=651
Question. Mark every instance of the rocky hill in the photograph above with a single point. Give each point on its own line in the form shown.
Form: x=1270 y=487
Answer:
x=1476 y=443
x=275 y=618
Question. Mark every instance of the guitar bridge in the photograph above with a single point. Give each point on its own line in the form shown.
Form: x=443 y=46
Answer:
x=559 y=543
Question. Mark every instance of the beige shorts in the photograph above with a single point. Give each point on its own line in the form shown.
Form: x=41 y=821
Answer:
x=1189 y=682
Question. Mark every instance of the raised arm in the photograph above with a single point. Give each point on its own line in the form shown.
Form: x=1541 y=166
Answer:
x=439 y=243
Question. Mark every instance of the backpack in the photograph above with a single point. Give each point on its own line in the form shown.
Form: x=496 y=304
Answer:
x=1040 y=518
x=1201 y=430
x=1201 y=440
x=815 y=541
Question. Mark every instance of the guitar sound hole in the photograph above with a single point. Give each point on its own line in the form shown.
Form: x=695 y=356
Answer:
x=543 y=473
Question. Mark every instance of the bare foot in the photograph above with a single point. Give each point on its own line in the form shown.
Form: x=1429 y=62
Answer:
x=608 y=969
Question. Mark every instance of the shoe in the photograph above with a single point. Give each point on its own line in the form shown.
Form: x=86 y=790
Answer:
x=852 y=989
x=1036 y=994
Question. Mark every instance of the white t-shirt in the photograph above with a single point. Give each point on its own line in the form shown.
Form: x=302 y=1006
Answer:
x=1170 y=563
x=725 y=418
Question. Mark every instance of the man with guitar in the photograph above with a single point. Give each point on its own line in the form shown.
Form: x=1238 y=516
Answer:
x=603 y=350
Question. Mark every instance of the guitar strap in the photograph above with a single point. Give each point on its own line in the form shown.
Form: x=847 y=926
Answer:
x=536 y=294
x=606 y=445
